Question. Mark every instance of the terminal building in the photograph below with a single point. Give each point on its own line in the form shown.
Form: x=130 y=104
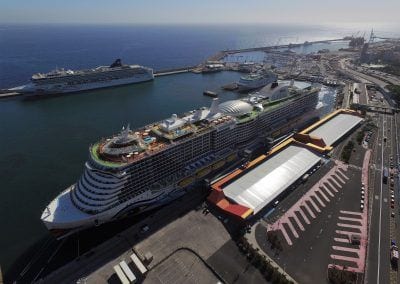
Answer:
x=246 y=191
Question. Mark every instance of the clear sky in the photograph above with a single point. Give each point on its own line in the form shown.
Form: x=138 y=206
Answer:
x=199 y=11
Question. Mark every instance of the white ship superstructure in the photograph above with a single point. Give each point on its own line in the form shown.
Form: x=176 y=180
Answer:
x=69 y=81
x=144 y=168
x=256 y=80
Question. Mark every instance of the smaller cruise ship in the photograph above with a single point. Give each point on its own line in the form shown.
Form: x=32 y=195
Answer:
x=256 y=80
x=69 y=81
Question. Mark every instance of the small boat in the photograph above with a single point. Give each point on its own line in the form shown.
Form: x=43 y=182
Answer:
x=210 y=94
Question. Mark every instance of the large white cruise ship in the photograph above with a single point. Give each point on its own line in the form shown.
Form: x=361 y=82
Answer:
x=140 y=169
x=69 y=81
x=256 y=80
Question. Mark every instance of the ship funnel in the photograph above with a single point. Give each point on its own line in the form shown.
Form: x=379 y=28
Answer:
x=214 y=106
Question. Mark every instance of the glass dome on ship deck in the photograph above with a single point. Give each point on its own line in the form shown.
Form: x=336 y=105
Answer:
x=235 y=107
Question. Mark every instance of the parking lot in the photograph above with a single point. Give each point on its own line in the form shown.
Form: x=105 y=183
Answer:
x=314 y=235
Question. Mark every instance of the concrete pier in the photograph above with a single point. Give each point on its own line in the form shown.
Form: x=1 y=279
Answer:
x=173 y=71
x=221 y=54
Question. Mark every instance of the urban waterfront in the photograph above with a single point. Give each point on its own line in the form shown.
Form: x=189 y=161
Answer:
x=47 y=140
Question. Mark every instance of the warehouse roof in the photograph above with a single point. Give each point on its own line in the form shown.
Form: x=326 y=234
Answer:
x=332 y=130
x=266 y=181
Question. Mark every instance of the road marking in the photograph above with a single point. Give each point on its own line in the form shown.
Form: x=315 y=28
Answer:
x=349 y=219
x=286 y=236
x=308 y=209
x=318 y=199
x=351 y=212
x=341 y=240
x=314 y=205
x=380 y=209
x=327 y=190
x=328 y=182
x=349 y=226
x=304 y=216
x=292 y=229
x=345 y=258
x=294 y=216
x=336 y=182
x=346 y=249
x=323 y=194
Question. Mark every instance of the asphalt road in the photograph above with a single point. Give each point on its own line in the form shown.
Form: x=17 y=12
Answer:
x=379 y=244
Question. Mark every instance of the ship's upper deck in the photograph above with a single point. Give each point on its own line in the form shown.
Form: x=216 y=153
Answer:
x=159 y=136
x=60 y=73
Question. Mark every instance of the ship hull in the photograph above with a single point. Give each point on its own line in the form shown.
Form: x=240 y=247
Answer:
x=63 y=89
x=254 y=85
x=148 y=201
x=87 y=203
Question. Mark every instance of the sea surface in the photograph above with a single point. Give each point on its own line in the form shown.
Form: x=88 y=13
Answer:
x=44 y=143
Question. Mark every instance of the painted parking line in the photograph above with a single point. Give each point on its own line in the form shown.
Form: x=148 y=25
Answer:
x=291 y=227
x=361 y=219
x=342 y=232
x=349 y=226
x=343 y=173
x=304 y=216
x=323 y=195
x=286 y=236
x=340 y=248
x=314 y=205
x=308 y=207
x=338 y=185
x=329 y=185
x=294 y=216
x=340 y=179
x=309 y=210
x=319 y=200
x=349 y=219
x=345 y=258
x=327 y=190
x=341 y=240
x=351 y=213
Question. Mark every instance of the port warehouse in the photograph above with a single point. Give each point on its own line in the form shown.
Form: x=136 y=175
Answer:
x=254 y=188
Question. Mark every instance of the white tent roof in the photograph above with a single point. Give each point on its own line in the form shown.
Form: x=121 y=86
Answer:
x=264 y=183
x=334 y=129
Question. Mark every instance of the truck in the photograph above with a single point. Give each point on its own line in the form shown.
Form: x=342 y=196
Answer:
x=394 y=254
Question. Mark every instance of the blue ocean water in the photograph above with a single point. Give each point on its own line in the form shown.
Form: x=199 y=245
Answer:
x=25 y=50
x=45 y=142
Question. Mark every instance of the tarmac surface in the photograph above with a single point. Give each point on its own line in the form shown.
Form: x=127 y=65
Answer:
x=379 y=267
x=315 y=221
